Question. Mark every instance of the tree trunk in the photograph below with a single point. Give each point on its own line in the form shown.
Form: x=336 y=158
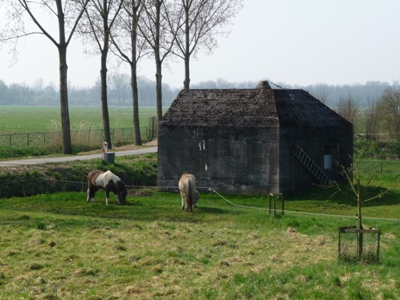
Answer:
x=62 y=52
x=103 y=75
x=134 y=85
x=104 y=101
x=158 y=61
x=65 y=124
x=186 y=83
x=135 y=96
x=360 y=235
x=159 y=90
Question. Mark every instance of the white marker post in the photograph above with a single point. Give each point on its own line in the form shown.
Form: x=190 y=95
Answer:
x=105 y=149
x=108 y=156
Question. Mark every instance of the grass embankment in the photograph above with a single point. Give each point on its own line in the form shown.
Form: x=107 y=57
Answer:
x=57 y=246
x=72 y=176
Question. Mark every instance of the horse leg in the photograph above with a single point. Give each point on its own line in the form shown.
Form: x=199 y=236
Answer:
x=107 y=195
x=188 y=204
x=183 y=201
x=90 y=194
x=189 y=198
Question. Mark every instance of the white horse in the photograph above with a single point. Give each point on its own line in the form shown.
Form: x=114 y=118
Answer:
x=107 y=181
x=189 y=194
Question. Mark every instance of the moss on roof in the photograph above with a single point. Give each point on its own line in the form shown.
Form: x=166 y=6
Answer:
x=259 y=107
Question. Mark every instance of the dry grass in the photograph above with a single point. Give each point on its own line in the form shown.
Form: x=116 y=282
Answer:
x=159 y=260
x=153 y=250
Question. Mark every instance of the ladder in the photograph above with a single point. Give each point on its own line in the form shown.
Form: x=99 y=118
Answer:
x=310 y=165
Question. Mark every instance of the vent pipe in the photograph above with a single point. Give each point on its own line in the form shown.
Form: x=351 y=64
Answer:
x=263 y=85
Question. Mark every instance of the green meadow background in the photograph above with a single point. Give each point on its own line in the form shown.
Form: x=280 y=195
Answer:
x=55 y=245
x=17 y=119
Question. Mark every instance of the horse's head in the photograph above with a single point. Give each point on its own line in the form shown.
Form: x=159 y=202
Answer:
x=122 y=197
x=121 y=193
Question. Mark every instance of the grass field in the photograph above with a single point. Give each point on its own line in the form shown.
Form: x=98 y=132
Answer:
x=36 y=130
x=60 y=247
x=16 y=119
x=57 y=246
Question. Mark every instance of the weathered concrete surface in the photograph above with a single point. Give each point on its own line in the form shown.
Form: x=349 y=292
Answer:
x=241 y=141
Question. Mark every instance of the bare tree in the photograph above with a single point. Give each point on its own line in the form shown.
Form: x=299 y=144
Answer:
x=130 y=50
x=353 y=177
x=349 y=109
x=371 y=117
x=320 y=91
x=66 y=14
x=201 y=21
x=120 y=84
x=388 y=107
x=100 y=18
x=160 y=36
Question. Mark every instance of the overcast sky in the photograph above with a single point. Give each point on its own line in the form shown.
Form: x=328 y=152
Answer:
x=286 y=41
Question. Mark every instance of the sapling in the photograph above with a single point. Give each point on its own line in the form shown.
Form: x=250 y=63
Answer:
x=352 y=175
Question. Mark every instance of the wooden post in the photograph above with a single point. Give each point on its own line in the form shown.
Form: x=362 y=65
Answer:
x=272 y=202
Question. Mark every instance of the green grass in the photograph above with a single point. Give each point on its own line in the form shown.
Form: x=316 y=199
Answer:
x=137 y=170
x=57 y=246
x=22 y=119
x=36 y=130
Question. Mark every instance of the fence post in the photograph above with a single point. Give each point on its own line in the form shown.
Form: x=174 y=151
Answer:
x=152 y=127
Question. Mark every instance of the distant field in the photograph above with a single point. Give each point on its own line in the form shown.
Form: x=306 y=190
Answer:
x=17 y=119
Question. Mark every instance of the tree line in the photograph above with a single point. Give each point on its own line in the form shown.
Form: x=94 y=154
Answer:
x=373 y=108
x=363 y=95
x=118 y=93
x=379 y=121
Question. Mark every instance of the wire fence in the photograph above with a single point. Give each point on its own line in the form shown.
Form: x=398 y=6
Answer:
x=21 y=187
x=35 y=186
x=359 y=245
x=24 y=187
x=90 y=137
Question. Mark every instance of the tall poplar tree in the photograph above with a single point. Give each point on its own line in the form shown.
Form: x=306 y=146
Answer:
x=100 y=19
x=46 y=15
x=200 y=25
x=130 y=47
x=160 y=36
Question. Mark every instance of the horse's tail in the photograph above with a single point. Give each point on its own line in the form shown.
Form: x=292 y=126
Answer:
x=190 y=193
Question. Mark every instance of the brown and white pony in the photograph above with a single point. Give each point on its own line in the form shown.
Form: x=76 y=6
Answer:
x=189 y=194
x=107 y=181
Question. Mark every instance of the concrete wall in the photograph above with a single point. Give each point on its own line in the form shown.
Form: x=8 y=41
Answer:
x=227 y=159
x=249 y=160
x=316 y=142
